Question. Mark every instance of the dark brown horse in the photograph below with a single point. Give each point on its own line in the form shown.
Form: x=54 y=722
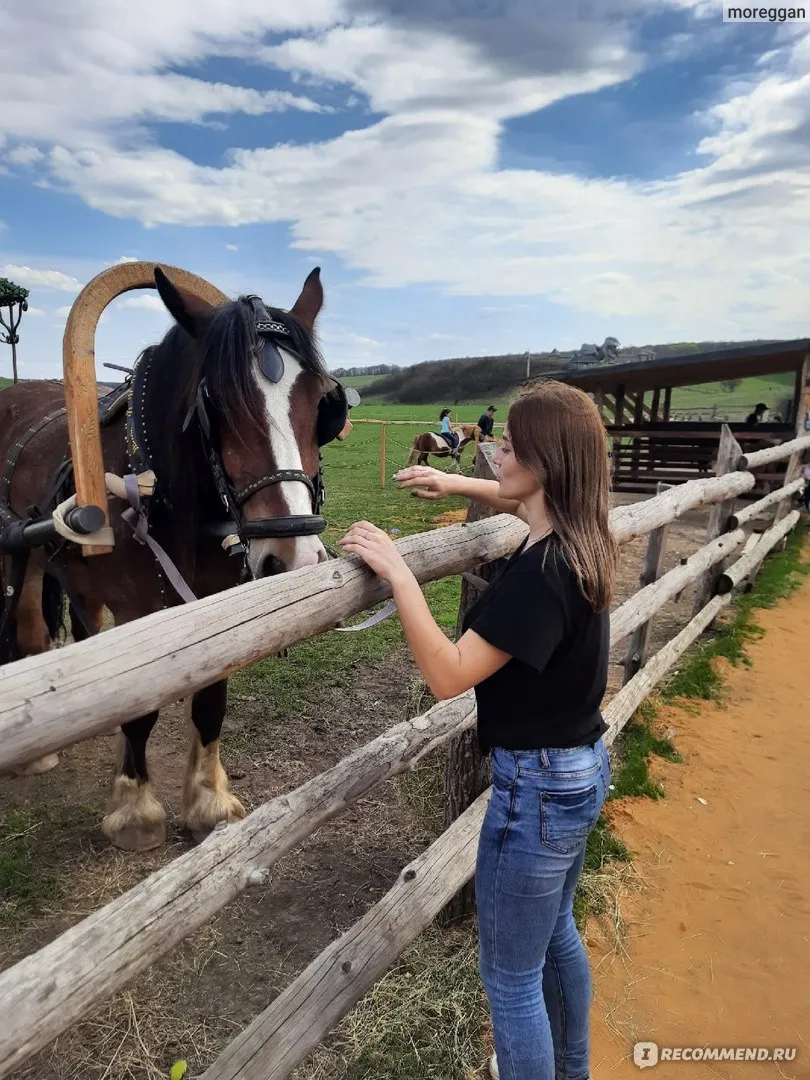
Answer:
x=431 y=443
x=231 y=406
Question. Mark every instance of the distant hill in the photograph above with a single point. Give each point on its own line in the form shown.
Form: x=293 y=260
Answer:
x=473 y=378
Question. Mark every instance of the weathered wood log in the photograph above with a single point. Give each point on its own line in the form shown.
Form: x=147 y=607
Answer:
x=293 y=1025
x=728 y=453
x=61 y=697
x=643 y=604
x=743 y=568
x=52 y=989
x=624 y=704
x=637 y=519
x=467 y=770
x=753 y=510
x=636 y=656
x=794 y=465
x=774 y=453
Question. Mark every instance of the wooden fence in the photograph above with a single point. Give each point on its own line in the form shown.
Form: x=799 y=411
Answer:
x=50 y=701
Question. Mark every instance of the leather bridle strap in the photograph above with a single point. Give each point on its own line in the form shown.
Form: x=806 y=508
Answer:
x=283 y=476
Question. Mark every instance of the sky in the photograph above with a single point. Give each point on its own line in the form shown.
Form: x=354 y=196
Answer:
x=472 y=176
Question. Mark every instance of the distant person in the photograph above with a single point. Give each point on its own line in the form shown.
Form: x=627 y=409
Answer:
x=486 y=423
x=446 y=430
x=758 y=416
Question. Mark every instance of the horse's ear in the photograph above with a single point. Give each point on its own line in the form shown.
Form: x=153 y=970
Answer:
x=189 y=311
x=310 y=302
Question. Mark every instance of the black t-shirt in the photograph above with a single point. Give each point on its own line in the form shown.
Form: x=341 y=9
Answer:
x=486 y=423
x=549 y=693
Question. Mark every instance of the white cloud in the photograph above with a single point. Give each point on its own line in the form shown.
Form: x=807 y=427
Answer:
x=144 y=302
x=358 y=339
x=25 y=155
x=419 y=195
x=63 y=312
x=232 y=247
x=127 y=259
x=33 y=278
x=35 y=311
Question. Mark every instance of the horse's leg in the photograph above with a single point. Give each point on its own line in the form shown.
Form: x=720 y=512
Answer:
x=135 y=820
x=33 y=637
x=206 y=798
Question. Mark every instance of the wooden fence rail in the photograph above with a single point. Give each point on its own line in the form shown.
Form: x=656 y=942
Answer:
x=104 y=952
x=282 y=1036
x=49 y=701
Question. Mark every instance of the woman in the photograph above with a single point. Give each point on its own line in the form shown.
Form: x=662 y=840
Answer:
x=535 y=647
x=446 y=430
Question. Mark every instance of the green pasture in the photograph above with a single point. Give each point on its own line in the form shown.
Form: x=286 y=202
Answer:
x=741 y=399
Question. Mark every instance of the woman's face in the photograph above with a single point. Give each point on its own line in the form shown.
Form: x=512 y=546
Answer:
x=516 y=481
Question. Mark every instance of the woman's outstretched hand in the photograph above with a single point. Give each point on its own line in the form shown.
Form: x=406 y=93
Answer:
x=427 y=483
x=377 y=550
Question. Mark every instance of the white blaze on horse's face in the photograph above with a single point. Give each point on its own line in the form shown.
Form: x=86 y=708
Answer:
x=298 y=551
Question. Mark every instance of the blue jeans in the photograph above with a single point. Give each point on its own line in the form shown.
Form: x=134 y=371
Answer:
x=532 y=960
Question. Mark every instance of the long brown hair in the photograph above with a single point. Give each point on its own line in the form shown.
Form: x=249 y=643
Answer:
x=556 y=431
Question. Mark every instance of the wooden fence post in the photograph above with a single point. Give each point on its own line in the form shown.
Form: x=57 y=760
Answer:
x=636 y=656
x=467 y=770
x=794 y=465
x=729 y=453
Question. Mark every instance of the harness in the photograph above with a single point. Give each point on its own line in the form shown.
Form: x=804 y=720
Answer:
x=19 y=535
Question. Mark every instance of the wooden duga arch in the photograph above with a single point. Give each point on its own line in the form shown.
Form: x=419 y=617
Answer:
x=79 y=360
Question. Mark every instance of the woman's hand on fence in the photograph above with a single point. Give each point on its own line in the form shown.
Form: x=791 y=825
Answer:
x=377 y=550
x=427 y=483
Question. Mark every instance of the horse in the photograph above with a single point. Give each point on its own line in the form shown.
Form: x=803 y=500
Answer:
x=229 y=412
x=431 y=443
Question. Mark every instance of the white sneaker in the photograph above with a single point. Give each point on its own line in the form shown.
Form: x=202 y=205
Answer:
x=493 y=1068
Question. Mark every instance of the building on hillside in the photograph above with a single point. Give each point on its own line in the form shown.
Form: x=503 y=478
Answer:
x=652 y=444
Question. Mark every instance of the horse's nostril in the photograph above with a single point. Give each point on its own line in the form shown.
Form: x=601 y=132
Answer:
x=271 y=565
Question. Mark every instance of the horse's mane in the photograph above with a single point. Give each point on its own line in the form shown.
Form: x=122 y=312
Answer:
x=224 y=358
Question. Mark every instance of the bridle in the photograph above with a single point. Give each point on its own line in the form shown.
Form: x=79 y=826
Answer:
x=235 y=532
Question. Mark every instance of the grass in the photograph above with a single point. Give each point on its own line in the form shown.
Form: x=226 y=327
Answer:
x=780 y=575
x=30 y=878
x=735 y=404
x=423 y=1019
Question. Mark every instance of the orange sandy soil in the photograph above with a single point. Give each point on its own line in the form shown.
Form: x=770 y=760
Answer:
x=713 y=939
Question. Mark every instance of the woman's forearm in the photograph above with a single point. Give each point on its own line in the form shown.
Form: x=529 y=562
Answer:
x=436 y=656
x=485 y=492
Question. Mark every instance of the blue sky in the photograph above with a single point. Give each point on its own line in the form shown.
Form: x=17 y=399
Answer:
x=473 y=176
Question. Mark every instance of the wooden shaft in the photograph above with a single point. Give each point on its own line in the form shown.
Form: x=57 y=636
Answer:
x=79 y=360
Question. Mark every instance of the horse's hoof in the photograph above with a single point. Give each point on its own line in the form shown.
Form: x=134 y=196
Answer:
x=137 y=837
x=213 y=809
x=43 y=765
x=135 y=820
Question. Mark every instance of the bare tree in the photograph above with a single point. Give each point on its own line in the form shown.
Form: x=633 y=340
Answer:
x=15 y=298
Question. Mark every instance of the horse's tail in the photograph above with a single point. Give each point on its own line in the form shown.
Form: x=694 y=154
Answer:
x=414 y=452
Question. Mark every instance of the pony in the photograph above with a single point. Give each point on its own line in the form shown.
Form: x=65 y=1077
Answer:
x=431 y=443
x=229 y=412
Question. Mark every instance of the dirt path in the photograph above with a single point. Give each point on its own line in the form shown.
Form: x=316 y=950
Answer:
x=714 y=947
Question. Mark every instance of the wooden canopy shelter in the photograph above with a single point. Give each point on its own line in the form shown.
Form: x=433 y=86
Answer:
x=650 y=447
